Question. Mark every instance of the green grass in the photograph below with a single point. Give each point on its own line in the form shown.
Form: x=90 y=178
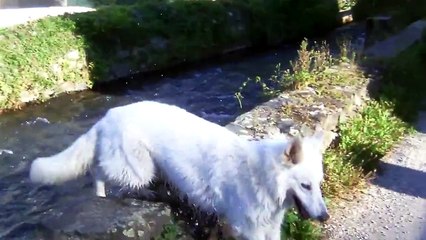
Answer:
x=28 y=55
x=364 y=140
x=149 y=35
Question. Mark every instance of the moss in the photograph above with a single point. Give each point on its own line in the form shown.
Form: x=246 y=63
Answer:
x=37 y=57
x=148 y=35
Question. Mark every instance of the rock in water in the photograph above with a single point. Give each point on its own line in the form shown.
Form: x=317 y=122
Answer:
x=105 y=218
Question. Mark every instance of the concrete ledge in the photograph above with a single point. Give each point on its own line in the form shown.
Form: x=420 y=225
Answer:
x=12 y=17
x=395 y=44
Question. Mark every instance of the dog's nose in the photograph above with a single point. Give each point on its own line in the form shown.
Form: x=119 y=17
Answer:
x=323 y=217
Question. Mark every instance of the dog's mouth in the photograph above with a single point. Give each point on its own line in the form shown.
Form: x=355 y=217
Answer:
x=300 y=208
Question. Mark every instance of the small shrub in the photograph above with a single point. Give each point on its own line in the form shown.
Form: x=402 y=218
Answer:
x=295 y=228
x=347 y=52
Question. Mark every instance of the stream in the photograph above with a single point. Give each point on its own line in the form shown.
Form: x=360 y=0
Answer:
x=72 y=211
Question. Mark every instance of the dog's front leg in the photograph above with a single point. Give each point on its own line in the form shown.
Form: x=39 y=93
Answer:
x=227 y=232
x=273 y=233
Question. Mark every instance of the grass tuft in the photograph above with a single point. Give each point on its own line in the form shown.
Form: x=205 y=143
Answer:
x=308 y=69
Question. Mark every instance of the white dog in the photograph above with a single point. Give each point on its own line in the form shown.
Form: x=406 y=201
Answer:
x=248 y=184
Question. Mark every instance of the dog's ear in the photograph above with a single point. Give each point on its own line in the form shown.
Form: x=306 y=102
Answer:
x=318 y=137
x=293 y=152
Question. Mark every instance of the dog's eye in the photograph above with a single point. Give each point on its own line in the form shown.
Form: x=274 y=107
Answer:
x=306 y=186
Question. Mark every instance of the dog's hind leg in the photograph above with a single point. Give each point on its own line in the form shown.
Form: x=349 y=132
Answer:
x=127 y=162
x=98 y=181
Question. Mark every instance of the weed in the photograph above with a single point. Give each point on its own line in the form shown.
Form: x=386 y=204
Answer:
x=347 y=53
x=308 y=68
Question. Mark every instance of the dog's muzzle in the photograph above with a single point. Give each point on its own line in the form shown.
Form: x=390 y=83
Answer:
x=300 y=208
x=323 y=217
x=305 y=214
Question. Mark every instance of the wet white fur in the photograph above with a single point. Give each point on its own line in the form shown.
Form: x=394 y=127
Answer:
x=248 y=183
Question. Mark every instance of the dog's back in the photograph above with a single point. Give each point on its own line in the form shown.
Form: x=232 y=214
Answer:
x=198 y=157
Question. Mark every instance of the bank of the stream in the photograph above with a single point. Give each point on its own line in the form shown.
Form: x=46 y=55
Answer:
x=75 y=51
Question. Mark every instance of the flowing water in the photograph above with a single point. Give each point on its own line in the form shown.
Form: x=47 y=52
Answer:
x=44 y=129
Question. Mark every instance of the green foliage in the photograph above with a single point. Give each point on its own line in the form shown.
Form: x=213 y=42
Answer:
x=295 y=228
x=170 y=232
x=347 y=4
x=31 y=61
x=367 y=138
x=363 y=142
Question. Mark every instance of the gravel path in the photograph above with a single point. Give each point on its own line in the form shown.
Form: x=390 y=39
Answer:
x=394 y=206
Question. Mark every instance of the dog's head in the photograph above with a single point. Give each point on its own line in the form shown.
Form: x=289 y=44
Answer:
x=303 y=159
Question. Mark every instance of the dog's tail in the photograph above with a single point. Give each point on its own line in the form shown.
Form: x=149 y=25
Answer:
x=68 y=164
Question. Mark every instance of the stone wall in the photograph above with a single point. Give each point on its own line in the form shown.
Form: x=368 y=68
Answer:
x=301 y=112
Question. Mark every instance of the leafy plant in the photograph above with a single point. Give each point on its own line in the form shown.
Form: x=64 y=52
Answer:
x=170 y=232
x=295 y=228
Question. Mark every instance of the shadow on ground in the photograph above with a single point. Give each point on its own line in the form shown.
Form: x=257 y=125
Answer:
x=402 y=180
